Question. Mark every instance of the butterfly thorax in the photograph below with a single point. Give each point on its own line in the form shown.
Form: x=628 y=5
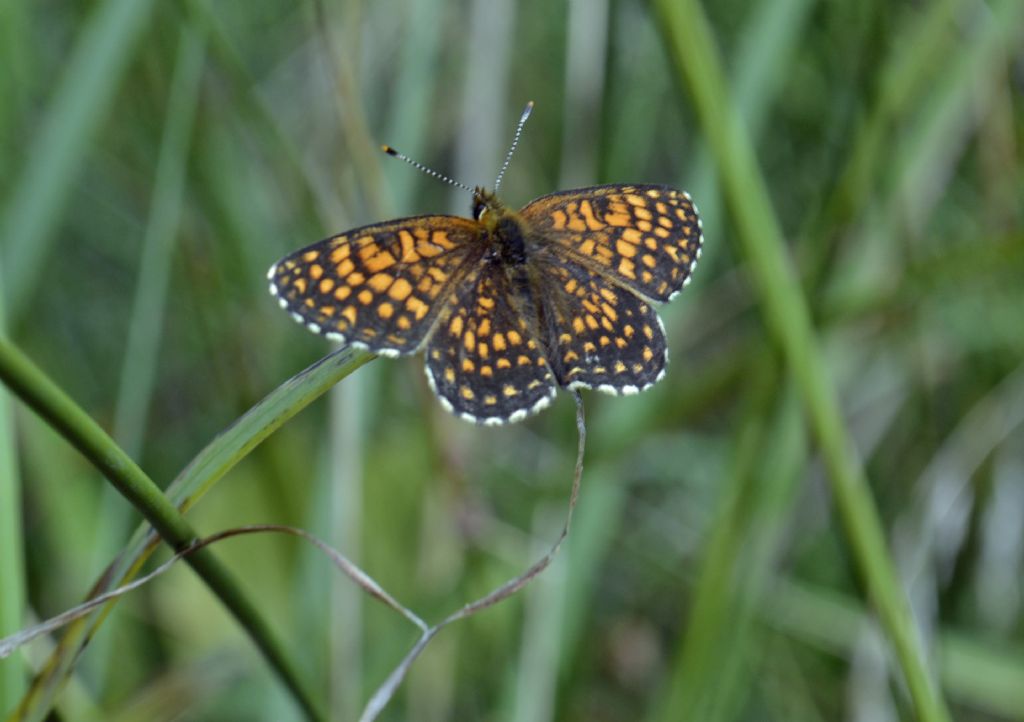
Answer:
x=504 y=227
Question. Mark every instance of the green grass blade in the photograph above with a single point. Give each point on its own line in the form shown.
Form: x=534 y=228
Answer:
x=345 y=611
x=94 y=70
x=951 y=110
x=16 y=61
x=767 y=525
x=138 y=374
x=712 y=608
x=12 y=561
x=143 y=344
x=12 y=565
x=905 y=76
x=232 y=445
x=53 y=405
x=985 y=675
x=688 y=35
x=13 y=674
x=765 y=51
x=235 y=442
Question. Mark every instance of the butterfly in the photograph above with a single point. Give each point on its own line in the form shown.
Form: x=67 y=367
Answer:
x=507 y=305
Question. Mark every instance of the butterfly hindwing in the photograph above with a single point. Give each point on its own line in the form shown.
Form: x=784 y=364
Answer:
x=483 y=360
x=605 y=336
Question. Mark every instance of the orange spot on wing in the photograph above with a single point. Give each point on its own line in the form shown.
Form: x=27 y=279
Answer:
x=417 y=307
x=440 y=238
x=587 y=211
x=378 y=261
x=380 y=282
x=408 y=245
x=625 y=249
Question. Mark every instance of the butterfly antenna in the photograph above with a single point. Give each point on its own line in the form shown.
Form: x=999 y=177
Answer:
x=515 y=141
x=429 y=171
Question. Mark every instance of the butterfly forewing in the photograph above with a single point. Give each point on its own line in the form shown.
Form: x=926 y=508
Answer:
x=381 y=286
x=644 y=237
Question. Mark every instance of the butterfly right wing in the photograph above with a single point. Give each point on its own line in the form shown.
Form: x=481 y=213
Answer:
x=381 y=287
x=646 y=238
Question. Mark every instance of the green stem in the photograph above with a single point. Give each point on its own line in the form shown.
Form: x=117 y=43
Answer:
x=690 y=42
x=12 y=564
x=56 y=408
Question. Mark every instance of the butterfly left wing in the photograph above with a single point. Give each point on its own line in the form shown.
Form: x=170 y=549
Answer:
x=644 y=237
x=381 y=287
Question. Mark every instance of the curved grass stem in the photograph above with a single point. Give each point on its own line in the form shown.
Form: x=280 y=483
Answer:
x=33 y=387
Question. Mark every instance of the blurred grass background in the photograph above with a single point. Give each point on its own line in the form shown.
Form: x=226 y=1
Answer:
x=158 y=157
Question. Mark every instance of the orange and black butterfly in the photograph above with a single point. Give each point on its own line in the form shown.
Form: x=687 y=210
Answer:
x=508 y=305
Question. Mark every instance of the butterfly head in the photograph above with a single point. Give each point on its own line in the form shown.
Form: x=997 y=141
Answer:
x=487 y=209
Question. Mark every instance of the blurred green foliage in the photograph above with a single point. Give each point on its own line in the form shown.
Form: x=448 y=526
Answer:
x=158 y=157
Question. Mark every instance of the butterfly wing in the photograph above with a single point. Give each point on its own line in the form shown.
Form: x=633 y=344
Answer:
x=644 y=237
x=484 y=361
x=381 y=287
x=601 y=336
